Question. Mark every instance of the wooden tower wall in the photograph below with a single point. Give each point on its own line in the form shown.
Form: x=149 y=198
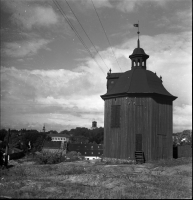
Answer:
x=141 y=115
x=162 y=126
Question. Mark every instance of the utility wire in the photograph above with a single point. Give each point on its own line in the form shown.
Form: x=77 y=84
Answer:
x=105 y=33
x=86 y=34
x=77 y=34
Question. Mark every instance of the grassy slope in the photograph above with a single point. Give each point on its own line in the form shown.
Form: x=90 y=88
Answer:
x=77 y=180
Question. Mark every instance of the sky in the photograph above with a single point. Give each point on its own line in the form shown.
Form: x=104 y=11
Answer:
x=53 y=73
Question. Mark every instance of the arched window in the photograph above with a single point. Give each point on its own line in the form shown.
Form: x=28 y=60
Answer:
x=138 y=62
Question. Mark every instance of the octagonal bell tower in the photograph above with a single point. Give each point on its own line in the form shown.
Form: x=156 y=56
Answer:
x=138 y=113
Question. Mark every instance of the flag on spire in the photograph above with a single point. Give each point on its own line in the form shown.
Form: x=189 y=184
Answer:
x=136 y=25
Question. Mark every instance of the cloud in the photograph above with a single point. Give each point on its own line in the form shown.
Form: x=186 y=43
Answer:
x=25 y=48
x=102 y=3
x=72 y=98
x=30 y=14
x=132 y=6
x=97 y=4
x=182 y=117
x=59 y=96
x=121 y=5
x=37 y=16
x=128 y=6
x=180 y=20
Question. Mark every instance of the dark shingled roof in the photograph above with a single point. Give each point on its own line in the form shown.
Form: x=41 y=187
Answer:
x=138 y=81
x=139 y=51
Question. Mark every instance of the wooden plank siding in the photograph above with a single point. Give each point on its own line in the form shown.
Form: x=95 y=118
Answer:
x=162 y=128
x=143 y=115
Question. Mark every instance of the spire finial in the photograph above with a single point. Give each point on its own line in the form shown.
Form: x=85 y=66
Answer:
x=138 y=44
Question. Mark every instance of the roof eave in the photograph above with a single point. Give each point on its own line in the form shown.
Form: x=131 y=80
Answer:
x=139 y=55
x=108 y=96
x=111 y=96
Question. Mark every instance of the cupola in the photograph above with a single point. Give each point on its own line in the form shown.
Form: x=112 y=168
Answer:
x=138 y=57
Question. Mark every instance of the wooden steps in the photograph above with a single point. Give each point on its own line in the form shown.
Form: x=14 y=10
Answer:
x=139 y=157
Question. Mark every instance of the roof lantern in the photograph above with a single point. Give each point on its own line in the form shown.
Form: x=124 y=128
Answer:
x=138 y=57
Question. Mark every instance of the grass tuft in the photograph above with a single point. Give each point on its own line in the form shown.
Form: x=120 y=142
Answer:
x=86 y=180
x=171 y=162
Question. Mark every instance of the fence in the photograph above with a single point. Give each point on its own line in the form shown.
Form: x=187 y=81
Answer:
x=182 y=151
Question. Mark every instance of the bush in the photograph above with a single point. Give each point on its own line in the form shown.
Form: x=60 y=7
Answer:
x=73 y=156
x=57 y=157
x=50 y=157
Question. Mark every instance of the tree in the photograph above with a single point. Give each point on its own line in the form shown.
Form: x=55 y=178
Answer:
x=52 y=132
x=65 y=132
x=85 y=135
x=97 y=135
x=184 y=137
x=14 y=139
x=3 y=133
x=79 y=139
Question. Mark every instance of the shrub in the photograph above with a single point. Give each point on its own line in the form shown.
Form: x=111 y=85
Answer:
x=73 y=156
x=57 y=157
x=50 y=157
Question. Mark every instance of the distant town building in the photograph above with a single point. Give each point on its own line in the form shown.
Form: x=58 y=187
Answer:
x=63 y=138
x=59 y=137
x=89 y=151
x=54 y=147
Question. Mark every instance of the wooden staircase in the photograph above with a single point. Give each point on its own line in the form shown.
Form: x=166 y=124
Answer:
x=139 y=157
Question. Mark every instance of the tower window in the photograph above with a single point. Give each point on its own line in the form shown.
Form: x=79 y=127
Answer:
x=115 y=116
x=138 y=62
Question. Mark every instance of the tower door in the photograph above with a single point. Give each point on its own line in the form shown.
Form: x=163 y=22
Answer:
x=138 y=142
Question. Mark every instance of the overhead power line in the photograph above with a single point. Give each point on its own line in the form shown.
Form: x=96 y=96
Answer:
x=105 y=33
x=86 y=33
x=75 y=31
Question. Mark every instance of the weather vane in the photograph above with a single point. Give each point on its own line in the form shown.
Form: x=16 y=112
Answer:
x=137 y=25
